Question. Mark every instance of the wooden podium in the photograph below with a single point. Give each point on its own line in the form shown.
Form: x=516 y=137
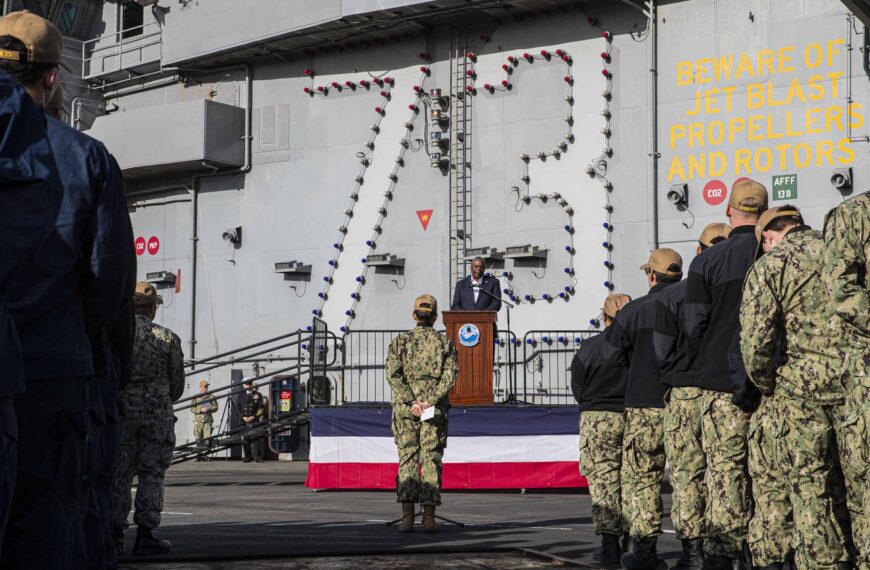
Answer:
x=472 y=333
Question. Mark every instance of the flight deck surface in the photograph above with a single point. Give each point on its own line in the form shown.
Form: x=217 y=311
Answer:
x=220 y=512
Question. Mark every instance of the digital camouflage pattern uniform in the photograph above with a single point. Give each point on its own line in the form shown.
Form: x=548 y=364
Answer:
x=688 y=464
x=147 y=422
x=643 y=465
x=421 y=365
x=601 y=435
x=793 y=348
x=203 y=420
x=771 y=529
x=847 y=270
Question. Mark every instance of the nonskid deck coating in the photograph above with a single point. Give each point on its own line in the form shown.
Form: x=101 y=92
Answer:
x=222 y=511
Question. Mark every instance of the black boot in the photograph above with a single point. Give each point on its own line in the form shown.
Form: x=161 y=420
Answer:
x=719 y=563
x=118 y=539
x=627 y=543
x=609 y=551
x=693 y=555
x=644 y=557
x=147 y=543
x=774 y=566
x=844 y=566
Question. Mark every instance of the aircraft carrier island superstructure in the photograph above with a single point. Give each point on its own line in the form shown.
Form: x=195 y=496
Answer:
x=293 y=159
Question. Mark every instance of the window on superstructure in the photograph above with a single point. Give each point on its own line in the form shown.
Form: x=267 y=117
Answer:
x=132 y=18
x=67 y=18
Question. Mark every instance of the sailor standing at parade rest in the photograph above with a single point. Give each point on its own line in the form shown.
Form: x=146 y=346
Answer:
x=477 y=292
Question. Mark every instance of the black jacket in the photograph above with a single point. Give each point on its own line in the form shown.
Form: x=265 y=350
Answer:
x=669 y=339
x=77 y=281
x=30 y=196
x=714 y=291
x=463 y=296
x=629 y=341
x=596 y=385
x=253 y=404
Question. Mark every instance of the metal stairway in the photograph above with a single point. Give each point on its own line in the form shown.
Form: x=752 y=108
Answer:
x=460 y=155
x=237 y=436
x=306 y=352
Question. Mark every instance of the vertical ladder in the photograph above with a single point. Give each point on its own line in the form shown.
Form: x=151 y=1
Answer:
x=460 y=156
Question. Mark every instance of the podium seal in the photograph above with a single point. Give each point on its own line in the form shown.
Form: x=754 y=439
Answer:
x=469 y=335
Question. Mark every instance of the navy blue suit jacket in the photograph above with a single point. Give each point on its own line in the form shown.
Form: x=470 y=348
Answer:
x=463 y=296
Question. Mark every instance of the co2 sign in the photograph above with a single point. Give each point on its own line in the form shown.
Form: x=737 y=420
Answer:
x=715 y=192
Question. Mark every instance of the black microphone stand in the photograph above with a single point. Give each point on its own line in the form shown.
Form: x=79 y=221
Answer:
x=512 y=395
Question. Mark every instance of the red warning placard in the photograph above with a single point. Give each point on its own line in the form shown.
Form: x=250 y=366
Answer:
x=139 y=244
x=715 y=192
x=425 y=216
x=153 y=245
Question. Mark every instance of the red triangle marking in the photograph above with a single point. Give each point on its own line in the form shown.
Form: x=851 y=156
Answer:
x=425 y=217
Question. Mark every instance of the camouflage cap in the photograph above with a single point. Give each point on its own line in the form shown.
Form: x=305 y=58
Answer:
x=613 y=303
x=665 y=260
x=146 y=294
x=203 y=384
x=425 y=305
x=748 y=196
x=41 y=38
x=767 y=218
x=713 y=231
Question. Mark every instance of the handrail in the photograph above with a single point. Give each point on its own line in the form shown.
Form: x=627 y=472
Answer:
x=229 y=387
x=233 y=360
x=121 y=45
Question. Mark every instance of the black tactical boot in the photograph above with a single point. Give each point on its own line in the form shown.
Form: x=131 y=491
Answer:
x=719 y=563
x=609 y=551
x=774 y=566
x=118 y=538
x=627 y=543
x=644 y=557
x=147 y=543
x=693 y=555
x=844 y=566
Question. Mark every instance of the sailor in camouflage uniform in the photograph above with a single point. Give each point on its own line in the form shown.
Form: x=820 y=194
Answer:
x=683 y=412
x=600 y=392
x=203 y=408
x=147 y=423
x=421 y=368
x=793 y=349
x=846 y=272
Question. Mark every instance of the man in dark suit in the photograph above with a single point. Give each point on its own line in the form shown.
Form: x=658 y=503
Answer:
x=471 y=292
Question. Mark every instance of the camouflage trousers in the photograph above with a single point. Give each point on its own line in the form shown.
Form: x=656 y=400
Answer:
x=146 y=451
x=771 y=528
x=807 y=455
x=643 y=469
x=201 y=430
x=421 y=447
x=724 y=427
x=601 y=435
x=856 y=449
x=688 y=465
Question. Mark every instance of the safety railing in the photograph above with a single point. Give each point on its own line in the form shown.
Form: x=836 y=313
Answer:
x=125 y=50
x=546 y=365
x=534 y=370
